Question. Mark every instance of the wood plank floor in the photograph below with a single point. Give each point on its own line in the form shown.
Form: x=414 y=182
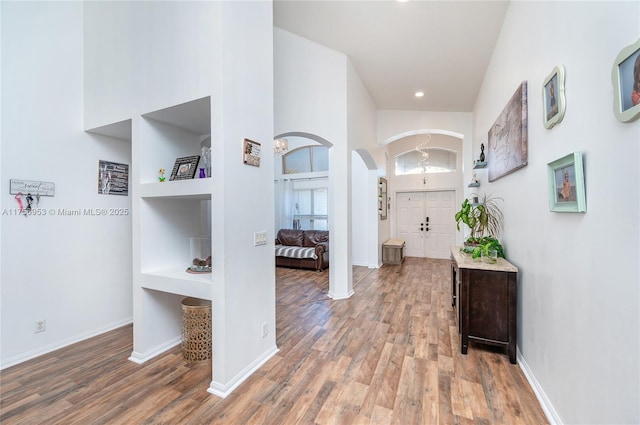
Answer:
x=388 y=355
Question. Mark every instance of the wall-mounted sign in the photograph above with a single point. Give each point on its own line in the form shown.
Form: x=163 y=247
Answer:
x=32 y=187
x=251 y=153
x=113 y=178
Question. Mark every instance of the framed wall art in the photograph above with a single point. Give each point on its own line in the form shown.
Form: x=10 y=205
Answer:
x=113 y=178
x=382 y=198
x=508 y=137
x=185 y=168
x=251 y=153
x=566 y=184
x=625 y=77
x=553 y=98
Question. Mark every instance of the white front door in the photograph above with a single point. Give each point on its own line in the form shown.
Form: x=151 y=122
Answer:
x=425 y=220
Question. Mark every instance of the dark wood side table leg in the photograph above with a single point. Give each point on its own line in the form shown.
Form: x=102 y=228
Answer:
x=463 y=305
x=513 y=316
x=453 y=285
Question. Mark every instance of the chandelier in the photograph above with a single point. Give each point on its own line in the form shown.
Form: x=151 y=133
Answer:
x=423 y=148
x=280 y=146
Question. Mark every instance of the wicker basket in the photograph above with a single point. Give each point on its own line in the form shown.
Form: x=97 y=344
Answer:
x=196 y=330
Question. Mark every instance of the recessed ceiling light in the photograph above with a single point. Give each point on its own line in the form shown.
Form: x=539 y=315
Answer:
x=402 y=1
x=419 y=93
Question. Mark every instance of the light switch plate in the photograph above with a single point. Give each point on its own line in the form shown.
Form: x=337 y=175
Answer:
x=259 y=238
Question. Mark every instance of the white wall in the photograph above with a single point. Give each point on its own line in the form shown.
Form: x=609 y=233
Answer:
x=144 y=56
x=578 y=283
x=247 y=195
x=365 y=247
x=311 y=97
x=72 y=271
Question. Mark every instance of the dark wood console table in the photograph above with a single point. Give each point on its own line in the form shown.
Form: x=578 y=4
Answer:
x=485 y=298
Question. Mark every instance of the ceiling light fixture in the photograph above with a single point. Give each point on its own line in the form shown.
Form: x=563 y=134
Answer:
x=419 y=93
x=423 y=148
x=280 y=146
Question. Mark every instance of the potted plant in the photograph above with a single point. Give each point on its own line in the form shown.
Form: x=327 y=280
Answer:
x=484 y=220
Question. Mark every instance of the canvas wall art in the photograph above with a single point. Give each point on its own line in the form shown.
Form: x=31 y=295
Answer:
x=508 y=137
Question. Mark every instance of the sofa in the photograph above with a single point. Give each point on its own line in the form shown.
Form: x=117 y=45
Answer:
x=302 y=249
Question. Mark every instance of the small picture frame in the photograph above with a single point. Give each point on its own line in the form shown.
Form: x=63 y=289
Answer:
x=251 y=153
x=566 y=184
x=185 y=168
x=625 y=77
x=553 y=97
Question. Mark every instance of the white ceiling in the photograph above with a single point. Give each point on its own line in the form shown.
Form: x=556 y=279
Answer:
x=439 y=47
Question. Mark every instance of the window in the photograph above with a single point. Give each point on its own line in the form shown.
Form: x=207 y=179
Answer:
x=310 y=209
x=440 y=161
x=306 y=159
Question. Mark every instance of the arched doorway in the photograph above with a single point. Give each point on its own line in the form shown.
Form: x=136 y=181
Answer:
x=425 y=191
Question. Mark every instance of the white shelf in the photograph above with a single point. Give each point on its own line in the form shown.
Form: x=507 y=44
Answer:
x=165 y=216
x=189 y=189
x=178 y=281
x=119 y=130
x=194 y=116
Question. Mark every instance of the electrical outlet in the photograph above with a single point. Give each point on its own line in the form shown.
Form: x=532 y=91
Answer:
x=259 y=238
x=265 y=330
x=40 y=326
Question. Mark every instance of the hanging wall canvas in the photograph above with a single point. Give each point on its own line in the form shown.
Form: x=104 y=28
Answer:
x=508 y=137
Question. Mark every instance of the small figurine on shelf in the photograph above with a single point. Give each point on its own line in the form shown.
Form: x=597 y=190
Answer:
x=481 y=152
x=475 y=178
x=161 y=176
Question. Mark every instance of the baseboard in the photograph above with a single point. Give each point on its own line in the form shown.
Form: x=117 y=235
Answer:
x=545 y=403
x=223 y=390
x=335 y=296
x=140 y=358
x=64 y=343
x=367 y=265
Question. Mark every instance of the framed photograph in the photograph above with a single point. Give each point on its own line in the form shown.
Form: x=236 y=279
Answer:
x=185 y=168
x=508 y=137
x=553 y=100
x=566 y=184
x=113 y=178
x=625 y=77
x=251 y=153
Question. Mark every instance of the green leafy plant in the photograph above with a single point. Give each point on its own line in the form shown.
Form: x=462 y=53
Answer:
x=483 y=219
x=484 y=244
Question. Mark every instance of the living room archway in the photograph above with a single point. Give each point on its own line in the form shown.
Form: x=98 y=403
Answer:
x=336 y=278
